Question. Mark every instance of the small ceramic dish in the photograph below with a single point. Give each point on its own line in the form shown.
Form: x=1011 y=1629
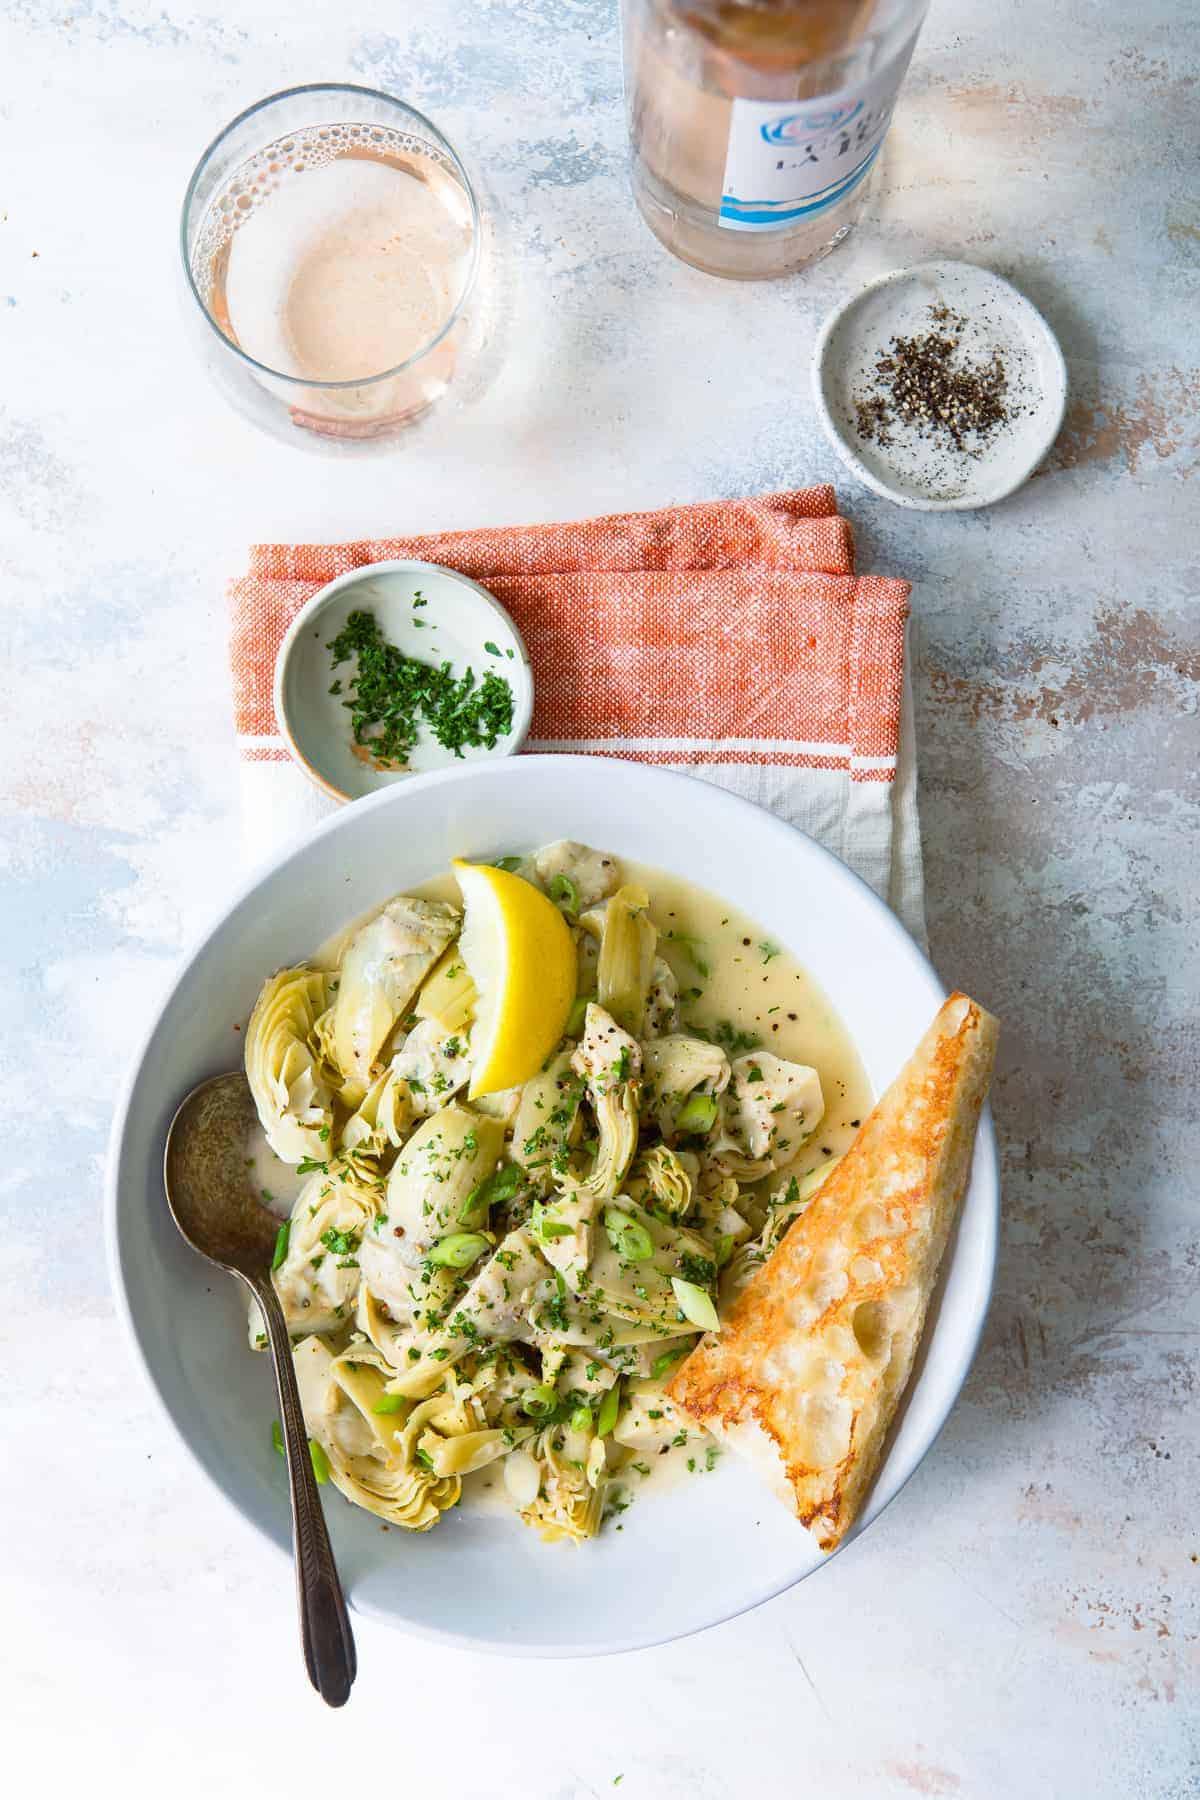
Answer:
x=928 y=471
x=429 y=612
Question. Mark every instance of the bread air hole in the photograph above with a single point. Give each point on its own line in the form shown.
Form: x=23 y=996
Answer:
x=868 y=1222
x=871 y=1329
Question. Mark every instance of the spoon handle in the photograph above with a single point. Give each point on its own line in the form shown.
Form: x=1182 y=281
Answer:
x=324 y=1625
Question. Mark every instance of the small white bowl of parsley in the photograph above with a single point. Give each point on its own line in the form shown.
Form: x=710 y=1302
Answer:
x=398 y=668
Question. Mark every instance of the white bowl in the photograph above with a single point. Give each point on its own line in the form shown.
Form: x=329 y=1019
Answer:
x=701 y=1551
x=922 y=472
x=457 y=621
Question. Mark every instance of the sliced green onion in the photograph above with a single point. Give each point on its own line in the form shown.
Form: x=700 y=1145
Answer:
x=581 y=1419
x=388 y=1403
x=564 y=893
x=510 y=864
x=631 y=1241
x=458 y=1250
x=577 y=1017
x=499 y=1188
x=699 y=1114
x=539 y=1402
x=696 y=1304
x=610 y=1406
x=723 y=1248
x=667 y=1360
x=320 y=1462
x=546 y=1228
x=281 y=1244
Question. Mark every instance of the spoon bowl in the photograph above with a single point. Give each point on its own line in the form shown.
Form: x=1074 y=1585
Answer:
x=209 y=1196
x=204 y=1173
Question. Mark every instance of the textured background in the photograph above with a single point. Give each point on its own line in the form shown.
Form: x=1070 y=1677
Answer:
x=1023 y=1622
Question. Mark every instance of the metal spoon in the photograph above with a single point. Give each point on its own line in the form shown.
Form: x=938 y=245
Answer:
x=211 y=1201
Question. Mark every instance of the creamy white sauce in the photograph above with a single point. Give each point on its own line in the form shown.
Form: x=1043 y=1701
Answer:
x=275 y=1183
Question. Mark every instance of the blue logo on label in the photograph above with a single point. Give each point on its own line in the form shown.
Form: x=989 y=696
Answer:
x=795 y=128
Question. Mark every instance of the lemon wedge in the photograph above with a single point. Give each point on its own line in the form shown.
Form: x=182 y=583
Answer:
x=521 y=957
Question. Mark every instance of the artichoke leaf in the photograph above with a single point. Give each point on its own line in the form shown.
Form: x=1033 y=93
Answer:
x=383 y=965
x=662 y=1000
x=448 y=995
x=626 y=958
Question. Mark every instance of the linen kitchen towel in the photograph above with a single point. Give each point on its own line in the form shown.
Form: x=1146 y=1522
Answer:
x=733 y=640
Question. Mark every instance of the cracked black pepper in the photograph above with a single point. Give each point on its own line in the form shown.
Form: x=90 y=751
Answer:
x=927 y=383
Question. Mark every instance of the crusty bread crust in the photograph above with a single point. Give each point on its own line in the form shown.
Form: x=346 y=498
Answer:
x=805 y=1376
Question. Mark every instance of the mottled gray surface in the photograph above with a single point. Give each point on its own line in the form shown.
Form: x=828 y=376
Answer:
x=1023 y=1622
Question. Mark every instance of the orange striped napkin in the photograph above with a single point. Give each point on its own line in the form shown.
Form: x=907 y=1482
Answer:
x=731 y=639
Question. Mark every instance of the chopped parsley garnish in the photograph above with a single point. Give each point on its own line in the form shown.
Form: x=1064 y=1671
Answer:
x=698 y=1269
x=341 y=1243
x=727 y=1035
x=393 y=694
x=308 y=1165
x=692 y=948
x=768 y=950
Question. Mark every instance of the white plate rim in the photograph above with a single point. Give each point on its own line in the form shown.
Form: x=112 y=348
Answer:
x=986 y=1162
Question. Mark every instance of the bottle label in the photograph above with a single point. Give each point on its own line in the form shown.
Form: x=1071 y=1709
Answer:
x=793 y=159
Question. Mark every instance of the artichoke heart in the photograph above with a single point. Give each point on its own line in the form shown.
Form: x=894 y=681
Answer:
x=661 y=1178
x=433 y=1064
x=384 y=964
x=318 y=1276
x=386 y=1477
x=382 y=1117
x=770 y=1107
x=610 y=1061
x=547 y=1120
x=676 y=1067
x=627 y=958
x=592 y=874
x=295 y=1106
x=432 y=1180
x=569 y=1501
x=637 y=1258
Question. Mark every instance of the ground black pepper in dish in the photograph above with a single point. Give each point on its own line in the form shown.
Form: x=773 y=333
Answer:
x=923 y=382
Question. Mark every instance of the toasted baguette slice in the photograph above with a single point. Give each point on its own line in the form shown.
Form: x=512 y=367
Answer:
x=805 y=1376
